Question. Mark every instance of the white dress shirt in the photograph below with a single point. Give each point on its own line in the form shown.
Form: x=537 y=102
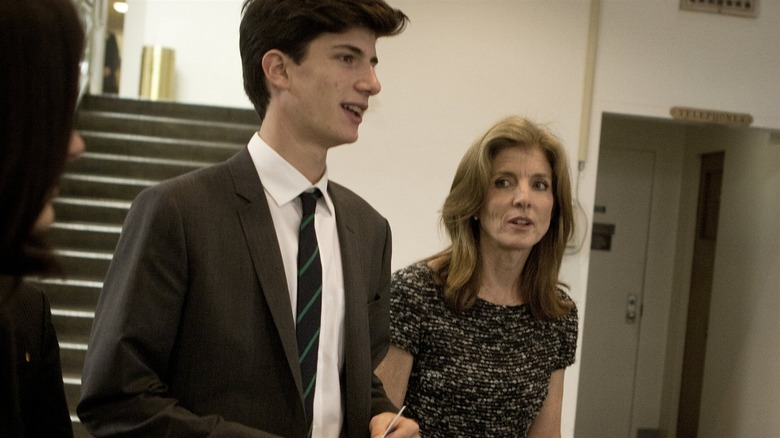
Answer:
x=283 y=184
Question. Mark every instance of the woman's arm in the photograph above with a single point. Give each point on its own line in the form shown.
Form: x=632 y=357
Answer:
x=394 y=371
x=548 y=423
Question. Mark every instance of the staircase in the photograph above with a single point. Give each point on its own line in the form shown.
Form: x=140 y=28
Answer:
x=131 y=145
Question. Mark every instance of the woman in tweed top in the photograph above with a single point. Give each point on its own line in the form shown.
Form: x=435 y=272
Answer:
x=483 y=331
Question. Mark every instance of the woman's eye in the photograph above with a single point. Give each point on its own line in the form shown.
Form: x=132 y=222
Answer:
x=501 y=182
x=542 y=185
x=349 y=59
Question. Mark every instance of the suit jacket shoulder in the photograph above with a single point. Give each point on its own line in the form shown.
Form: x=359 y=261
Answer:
x=353 y=201
x=33 y=390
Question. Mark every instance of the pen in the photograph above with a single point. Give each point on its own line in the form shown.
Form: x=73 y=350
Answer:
x=395 y=420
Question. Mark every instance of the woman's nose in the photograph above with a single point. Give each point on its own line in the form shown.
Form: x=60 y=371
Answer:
x=521 y=198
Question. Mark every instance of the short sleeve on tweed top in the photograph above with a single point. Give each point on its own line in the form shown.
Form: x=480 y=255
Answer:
x=483 y=372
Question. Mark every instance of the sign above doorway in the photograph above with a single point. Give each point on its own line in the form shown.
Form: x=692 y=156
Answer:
x=710 y=116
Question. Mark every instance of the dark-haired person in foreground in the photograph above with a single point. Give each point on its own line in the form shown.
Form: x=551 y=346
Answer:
x=196 y=330
x=41 y=43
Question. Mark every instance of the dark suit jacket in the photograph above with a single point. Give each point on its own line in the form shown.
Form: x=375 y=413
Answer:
x=32 y=398
x=194 y=334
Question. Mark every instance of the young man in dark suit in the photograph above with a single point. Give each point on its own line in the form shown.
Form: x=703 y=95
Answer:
x=195 y=331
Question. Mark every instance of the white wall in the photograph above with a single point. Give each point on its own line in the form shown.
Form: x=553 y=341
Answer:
x=204 y=37
x=462 y=64
x=652 y=56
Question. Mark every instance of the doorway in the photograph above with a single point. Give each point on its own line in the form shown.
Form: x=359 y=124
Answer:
x=633 y=298
x=621 y=223
x=699 y=302
x=740 y=359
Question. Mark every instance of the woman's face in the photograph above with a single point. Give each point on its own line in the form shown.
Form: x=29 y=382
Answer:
x=518 y=204
x=46 y=218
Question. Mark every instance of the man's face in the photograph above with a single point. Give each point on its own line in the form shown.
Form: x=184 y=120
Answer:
x=329 y=89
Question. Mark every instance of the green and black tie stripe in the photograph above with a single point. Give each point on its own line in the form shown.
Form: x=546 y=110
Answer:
x=309 y=299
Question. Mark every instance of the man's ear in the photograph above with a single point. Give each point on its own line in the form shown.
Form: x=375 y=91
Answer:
x=275 y=64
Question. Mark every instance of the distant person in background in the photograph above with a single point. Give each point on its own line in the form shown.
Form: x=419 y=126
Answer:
x=482 y=331
x=111 y=62
x=41 y=43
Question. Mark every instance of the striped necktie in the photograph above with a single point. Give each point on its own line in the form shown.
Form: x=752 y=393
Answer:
x=309 y=299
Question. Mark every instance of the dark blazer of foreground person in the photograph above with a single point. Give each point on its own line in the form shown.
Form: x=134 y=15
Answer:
x=31 y=390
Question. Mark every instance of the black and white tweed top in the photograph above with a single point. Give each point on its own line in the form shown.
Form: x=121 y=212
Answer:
x=482 y=373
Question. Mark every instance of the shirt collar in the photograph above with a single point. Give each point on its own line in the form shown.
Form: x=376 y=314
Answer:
x=281 y=180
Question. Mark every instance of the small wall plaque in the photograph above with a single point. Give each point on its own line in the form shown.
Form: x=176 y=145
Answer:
x=710 y=116
x=742 y=8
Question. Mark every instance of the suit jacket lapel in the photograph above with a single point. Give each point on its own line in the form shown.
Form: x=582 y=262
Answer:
x=350 y=263
x=357 y=365
x=263 y=245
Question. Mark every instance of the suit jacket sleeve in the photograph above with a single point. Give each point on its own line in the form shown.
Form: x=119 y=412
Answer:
x=379 y=321
x=124 y=383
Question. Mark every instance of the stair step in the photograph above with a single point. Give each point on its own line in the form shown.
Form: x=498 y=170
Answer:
x=70 y=292
x=85 y=236
x=72 y=395
x=160 y=147
x=84 y=264
x=72 y=326
x=135 y=167
x=105 y=211
x=79 y=431
x=72 y=356
x=131 y=144
x=72 y=384
x=95 y=186
x=164 y=126
x=245 y=116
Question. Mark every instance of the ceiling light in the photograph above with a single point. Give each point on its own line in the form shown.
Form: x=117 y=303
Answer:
x=120 y=7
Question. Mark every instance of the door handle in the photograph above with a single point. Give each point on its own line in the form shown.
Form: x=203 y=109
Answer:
x=631 y=309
